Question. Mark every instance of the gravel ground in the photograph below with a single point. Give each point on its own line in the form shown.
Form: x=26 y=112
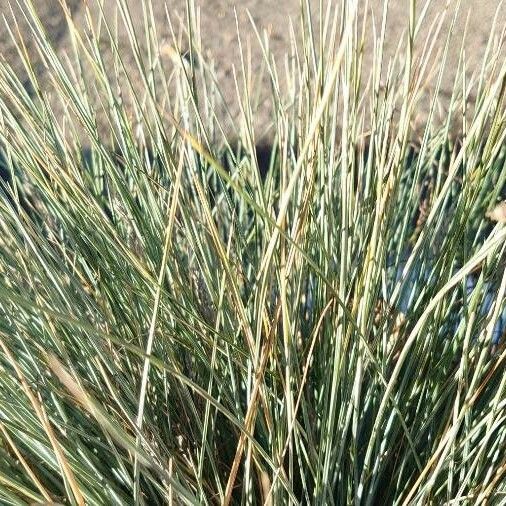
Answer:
x=219 y=36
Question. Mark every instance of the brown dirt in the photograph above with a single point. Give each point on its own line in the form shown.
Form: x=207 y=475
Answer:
x=219 y=36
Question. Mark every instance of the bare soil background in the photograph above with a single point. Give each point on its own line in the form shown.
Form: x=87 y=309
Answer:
x=219 y=34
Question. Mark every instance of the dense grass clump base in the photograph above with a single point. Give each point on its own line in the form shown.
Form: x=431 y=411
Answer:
x=193 y=320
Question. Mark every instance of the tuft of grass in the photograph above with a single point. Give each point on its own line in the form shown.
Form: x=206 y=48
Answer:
x=192 y=320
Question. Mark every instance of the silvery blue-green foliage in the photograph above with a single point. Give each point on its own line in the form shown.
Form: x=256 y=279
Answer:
x=184 y=319
x=420 y=276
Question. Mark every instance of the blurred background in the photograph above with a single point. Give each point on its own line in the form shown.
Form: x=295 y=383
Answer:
x=280 y=21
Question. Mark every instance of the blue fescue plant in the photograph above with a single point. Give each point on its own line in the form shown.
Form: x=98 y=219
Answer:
x=185 y=321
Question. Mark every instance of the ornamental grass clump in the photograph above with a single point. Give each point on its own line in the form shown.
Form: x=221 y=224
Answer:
x=183 y=320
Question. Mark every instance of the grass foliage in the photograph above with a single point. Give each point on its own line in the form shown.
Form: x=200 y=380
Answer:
x=185 y=321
